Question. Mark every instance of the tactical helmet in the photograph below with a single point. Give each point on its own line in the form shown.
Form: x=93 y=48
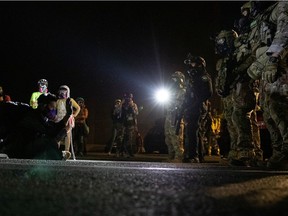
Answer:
x=64 y=91
x=42 y=83
x=117 y=101
x=80 y=99
x=246 y=7
x=178 y=76
x=224 y=42
x=198 y=60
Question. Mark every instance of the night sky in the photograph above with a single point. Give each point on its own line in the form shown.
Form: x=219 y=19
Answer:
x=103 y=49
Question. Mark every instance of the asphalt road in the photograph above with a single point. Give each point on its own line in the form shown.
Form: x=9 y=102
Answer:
x=133 y=188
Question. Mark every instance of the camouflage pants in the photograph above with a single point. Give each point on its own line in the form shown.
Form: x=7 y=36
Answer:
x=171 y=139
x=256 y=133
x=244 y=102
x=129 y=140
x=275 y=113
x=117 y=137
x=228 y=111
x=247 y=147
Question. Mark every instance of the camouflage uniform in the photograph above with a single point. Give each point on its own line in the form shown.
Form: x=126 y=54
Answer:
x=232 y=79
x=226 y=100
x=271 y=67
x=174 y=141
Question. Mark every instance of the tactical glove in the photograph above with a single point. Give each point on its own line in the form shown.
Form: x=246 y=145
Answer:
x=271 y=70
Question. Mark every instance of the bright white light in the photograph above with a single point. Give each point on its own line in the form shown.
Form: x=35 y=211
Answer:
x=162 y=96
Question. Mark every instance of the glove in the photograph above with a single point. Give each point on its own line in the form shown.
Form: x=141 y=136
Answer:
x=271 y=70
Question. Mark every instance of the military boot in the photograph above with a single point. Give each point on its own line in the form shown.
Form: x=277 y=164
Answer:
x=171 y=155
x=258 y=160
x=278 y=160
x=241 y=157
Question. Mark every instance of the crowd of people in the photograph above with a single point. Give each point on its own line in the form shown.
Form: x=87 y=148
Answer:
x=50 y=127
x=251 y=77
x=126 y=139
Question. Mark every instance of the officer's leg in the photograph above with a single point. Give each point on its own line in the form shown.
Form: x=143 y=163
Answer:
x=279 y=113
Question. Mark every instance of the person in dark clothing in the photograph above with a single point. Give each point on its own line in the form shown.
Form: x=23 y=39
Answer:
x=10 y=114
x=129 y=113
x=37 y=136
x=198 y=90
x=117 y=127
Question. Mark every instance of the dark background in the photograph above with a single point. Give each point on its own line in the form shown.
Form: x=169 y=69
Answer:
x=103 y=49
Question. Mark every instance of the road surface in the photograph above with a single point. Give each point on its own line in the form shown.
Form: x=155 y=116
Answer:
x=131 y=188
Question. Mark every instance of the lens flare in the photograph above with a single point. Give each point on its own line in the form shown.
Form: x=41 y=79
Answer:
x=162 y=96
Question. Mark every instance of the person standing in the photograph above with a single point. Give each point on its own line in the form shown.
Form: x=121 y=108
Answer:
x=238 y=93
x=63 y=95
x=129 y=113
x=173 y=119
x=79 y=131
x=117 y=128
x=42 y=89
x=271 y=68
x=198 y=90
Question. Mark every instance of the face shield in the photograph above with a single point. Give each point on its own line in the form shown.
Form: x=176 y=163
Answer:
x=194 y=68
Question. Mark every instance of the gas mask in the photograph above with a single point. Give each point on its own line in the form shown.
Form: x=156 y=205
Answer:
x=243 y=24
x=43 y=88
x=195 y=69
x=224 y=42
